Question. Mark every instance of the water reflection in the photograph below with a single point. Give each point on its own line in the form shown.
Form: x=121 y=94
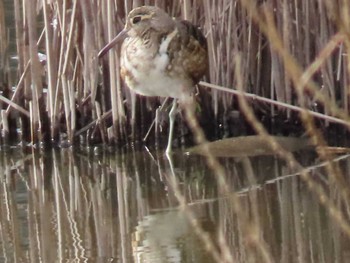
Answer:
x=65 y=206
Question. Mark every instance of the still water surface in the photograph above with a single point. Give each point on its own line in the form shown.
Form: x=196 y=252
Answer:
x=77 y=206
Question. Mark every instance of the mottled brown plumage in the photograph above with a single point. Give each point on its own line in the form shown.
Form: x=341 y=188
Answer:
x=161 y=56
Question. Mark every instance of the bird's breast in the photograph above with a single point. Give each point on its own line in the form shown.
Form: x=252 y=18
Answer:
x=146 y=68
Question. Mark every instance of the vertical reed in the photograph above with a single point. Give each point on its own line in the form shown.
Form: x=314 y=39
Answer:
x=36 y=85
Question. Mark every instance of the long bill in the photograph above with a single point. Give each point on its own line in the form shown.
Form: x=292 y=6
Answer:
x=122 y=34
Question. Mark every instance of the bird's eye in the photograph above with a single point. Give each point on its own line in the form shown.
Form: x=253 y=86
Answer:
x=136 y=19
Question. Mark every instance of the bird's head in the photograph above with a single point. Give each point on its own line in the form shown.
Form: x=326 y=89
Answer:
x=141 y=20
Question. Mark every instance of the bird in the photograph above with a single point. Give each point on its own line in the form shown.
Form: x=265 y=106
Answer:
x=161 y=56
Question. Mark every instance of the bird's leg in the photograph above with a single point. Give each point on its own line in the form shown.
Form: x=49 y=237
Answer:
x=172 y=115
x=155 y=121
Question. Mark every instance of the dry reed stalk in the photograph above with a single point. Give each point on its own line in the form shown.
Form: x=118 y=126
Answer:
x=313 y=185
x=324 y=53
x=295 y=70
x=100 y=122
x=4 y=43
x=19 y=35
x=342 y=20
x=61 y=87
x=72 y=109
x=308 y=121
x=89 y=50
x=287 y=42
x=66 y=105
x=14 y=106
x=115 y=85
x=252 y=232
x=68 y=72
x=52 y=67
x=337 y=178
x=22 y=64
x=105 y=116
x=5 y=129
x=275 y=103
x=186 y=10
x=19 y=88
x=36 y=84
x=211 y=50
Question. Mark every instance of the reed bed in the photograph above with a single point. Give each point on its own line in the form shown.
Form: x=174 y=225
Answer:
x=64 y=94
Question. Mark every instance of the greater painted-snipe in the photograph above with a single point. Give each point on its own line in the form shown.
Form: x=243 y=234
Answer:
x=161 y=56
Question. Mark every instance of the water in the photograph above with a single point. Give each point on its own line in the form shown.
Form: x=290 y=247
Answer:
x=97 y=206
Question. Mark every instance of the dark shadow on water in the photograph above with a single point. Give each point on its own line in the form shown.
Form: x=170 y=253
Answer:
x=65 y=205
